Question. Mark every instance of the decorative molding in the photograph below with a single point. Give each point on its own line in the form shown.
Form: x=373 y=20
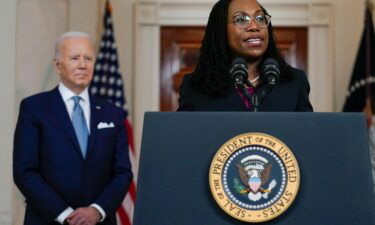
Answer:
x=184 y=14
x=195 y=12
x=320 y=14
x=147 y=13
x=299 y=15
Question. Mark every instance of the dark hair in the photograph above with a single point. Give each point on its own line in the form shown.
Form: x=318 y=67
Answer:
x=211 y=75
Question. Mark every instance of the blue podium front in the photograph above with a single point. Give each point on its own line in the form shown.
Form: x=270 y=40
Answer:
x=331 y=149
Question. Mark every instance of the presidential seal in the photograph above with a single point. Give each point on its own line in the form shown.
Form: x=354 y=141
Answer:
x=254 y=177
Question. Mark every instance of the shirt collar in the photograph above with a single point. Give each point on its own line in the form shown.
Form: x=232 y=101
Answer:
x=67 y=94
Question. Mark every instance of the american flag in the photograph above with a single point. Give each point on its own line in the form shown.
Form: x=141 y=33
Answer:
x=107 y=83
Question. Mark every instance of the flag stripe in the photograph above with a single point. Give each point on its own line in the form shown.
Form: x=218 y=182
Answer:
x=132 y=191
x=129 y=129
x=124 y=219
x=127 y=204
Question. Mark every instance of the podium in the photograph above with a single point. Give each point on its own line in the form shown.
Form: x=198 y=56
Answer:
x=331 y=149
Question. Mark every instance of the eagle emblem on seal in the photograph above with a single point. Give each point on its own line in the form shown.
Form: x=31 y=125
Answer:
x=254 y=172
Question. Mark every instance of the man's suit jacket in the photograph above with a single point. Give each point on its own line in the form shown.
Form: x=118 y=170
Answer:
x=48 y=165
x=286 y=96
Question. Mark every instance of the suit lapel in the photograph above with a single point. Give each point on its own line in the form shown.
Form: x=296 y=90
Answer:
x=62 y=116
x=94 y=120
x=235 y=99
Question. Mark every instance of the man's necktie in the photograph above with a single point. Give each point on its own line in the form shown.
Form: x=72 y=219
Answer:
x=79 y=124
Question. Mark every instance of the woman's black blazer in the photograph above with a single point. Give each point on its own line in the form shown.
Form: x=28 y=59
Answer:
x=287 y=96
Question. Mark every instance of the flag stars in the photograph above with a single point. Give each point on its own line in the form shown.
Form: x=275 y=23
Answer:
x=111 y=80
x=102 y=91
x=94 y=90
x=107 y=81
x=96 y=79
x=359 y=84
x=112 y=69
x=118 y=94
x=109 y=20
x=104 y=79
x=98 y=67
x=110 y=92
x=105 y=67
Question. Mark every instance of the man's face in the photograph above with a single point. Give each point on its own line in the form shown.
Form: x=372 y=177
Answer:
x=76 y=63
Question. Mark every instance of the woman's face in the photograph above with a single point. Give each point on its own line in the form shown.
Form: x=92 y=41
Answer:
x=251 y=41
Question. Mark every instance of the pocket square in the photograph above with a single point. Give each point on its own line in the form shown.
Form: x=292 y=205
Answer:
x=102 y=125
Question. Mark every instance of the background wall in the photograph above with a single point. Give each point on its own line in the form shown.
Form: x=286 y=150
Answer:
x=29 y=28
x=8 y=22
x=40 y=23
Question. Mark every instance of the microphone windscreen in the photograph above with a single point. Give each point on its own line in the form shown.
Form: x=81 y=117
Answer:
x=270 y=71
x=239 y=60
x=238 y=71
x=270 y=63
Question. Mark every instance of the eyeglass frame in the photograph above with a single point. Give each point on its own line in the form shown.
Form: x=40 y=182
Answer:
x=267 y=16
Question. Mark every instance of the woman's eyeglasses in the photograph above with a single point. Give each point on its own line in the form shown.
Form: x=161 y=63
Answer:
x=242 y=21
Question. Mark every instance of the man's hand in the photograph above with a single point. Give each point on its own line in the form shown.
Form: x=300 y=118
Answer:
x=84 y=216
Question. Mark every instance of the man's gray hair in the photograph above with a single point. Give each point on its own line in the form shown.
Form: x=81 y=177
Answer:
x=68 y=35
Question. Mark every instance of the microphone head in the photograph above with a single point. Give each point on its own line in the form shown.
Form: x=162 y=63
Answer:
x=239 y=60
x=238 y=71
x=270 y=71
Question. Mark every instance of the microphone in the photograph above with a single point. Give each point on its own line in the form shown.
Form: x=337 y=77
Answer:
x=271 y=71
x=238 y=71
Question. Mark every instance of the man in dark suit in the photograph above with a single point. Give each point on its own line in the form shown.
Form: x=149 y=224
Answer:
x=71 y=157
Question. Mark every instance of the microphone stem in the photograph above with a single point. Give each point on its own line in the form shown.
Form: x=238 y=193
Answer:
x=255 y=102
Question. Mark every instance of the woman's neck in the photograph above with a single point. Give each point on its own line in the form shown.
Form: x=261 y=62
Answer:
x=253 y=70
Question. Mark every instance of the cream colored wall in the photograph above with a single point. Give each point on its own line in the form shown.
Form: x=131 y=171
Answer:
x=25 y=67
x=40 y=23
x=8 y=20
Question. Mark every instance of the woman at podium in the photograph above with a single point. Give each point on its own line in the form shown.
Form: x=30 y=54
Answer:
x=240 y=67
